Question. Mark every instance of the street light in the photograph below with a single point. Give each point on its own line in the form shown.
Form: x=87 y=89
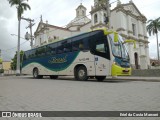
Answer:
x=17 y=35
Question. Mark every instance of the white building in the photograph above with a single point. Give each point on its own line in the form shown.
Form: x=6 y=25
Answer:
x=126 y=19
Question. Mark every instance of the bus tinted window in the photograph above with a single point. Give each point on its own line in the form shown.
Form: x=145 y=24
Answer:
x=60 y=47
x=77 y=45
x=40 y=51
x=100 y=48
x=51 y=49
x=67 y=46
x=31 y=54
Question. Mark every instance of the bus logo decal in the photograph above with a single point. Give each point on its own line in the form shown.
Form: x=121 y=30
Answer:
x=58 y=60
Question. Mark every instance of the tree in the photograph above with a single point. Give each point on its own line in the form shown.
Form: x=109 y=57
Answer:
x=14 y=60
x=0 y=60
x=21 y=7
x=153 y=27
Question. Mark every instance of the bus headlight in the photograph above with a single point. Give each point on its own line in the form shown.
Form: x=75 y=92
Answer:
x=115 y=63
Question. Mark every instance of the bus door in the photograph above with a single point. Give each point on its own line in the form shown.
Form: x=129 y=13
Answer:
x=102 y=63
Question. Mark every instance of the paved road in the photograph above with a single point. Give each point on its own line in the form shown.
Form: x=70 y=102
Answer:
x=27 y=94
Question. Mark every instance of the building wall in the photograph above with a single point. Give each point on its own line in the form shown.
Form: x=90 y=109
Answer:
x=85 y=28
x=51 y=35
x=6 y=65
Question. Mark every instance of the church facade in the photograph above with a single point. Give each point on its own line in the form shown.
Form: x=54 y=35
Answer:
x=126 y=19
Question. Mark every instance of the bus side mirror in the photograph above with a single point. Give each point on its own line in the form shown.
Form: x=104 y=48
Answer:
x=0 y=60
x=129 y=41
x=115 y=37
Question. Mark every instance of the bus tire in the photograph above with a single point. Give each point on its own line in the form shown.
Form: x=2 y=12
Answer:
x=36 y=74
x=81 y=73
x=54 y=76
x=100 y=78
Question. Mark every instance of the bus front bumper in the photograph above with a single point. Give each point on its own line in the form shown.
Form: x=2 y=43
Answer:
x=120 y=71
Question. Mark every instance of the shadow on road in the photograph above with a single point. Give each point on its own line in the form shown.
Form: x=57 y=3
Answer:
x=72 y=79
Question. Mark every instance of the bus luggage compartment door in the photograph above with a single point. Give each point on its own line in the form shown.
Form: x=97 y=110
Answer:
x=101 y=66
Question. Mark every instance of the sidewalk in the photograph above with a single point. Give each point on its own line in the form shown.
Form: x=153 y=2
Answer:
x=135 y=78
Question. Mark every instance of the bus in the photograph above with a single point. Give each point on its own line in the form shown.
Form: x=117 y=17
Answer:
x=97 y=53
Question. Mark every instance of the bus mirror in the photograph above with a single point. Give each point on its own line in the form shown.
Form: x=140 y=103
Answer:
x=133 y=41
x=115 y=37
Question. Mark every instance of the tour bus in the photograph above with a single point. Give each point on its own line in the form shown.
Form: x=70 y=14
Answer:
x=97 y=53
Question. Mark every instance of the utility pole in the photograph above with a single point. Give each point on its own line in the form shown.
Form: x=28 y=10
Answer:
x=30 y=26
x=108 y=13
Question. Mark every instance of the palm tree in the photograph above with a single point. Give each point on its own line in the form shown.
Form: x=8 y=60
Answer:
x=153 y=27
x=21 y=6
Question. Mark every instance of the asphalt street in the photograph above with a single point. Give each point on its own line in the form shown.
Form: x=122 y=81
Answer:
x=26 y=94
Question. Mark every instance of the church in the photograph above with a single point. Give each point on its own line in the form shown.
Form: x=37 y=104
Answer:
x=126 y=19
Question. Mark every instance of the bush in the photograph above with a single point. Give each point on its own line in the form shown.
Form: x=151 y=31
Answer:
x=1 y=70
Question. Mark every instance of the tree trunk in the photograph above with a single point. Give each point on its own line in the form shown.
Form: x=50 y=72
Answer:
x=18 y=49
x=157 y=46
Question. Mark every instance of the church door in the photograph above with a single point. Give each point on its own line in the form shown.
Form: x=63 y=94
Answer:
x=136 y=60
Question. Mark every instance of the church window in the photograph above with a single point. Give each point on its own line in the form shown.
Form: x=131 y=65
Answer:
x=95 y=18
x=134 y=29
x=83 y=13
x=105 y=19
x=77 y=13
x=40 y=40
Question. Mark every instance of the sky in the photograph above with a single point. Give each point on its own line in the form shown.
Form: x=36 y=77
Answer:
x=59 y=13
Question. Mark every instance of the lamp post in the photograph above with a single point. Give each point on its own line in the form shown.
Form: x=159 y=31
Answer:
x=17 y=35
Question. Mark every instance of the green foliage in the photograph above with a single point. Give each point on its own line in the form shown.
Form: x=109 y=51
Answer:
x=21 y=6
x=14 y=60
x=1 y=70
x=0 y=60
x=153 y=26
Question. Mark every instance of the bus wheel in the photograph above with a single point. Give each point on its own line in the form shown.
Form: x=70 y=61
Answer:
x=36 y=74
x=81 y=73
x=100 y=78
x=54 y=76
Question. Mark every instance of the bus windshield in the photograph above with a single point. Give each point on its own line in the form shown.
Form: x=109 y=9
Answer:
x=118 y=48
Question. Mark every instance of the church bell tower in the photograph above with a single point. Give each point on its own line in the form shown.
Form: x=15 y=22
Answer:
x=98 y=14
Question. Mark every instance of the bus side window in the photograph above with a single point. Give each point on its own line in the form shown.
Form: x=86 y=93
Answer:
x=81 y=46
x=26 y=55
x=67 y=47
x=51 y=49
x=32 y=54
x=40 y=51
x=78 y=45
x=100 y=48
x=59 y=47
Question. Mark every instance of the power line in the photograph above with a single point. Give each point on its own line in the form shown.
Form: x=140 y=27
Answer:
x=13 y=47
